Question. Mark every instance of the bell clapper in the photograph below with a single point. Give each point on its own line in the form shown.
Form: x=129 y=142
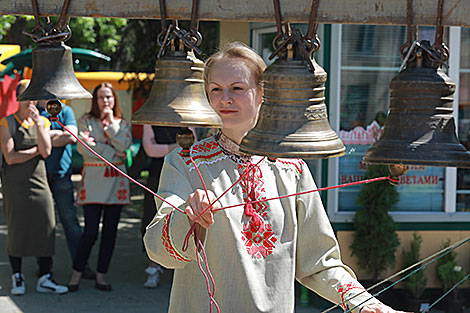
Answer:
x=53 y=107
x=397 y=170
x=185 y=139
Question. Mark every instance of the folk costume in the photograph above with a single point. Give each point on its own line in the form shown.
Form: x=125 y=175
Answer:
x=101 y=184
x=254 y=251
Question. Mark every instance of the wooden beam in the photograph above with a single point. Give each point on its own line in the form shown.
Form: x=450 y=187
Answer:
x=385 y=12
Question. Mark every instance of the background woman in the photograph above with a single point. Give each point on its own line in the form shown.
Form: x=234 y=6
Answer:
x=157 y=141
x=102 y=191
x=27 y=200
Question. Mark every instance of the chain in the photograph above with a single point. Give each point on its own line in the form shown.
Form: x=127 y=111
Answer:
x=190 y=39
x=284 y=40
x=406 y=48
x=49 y=32
x=439 y=44
x=438 y=52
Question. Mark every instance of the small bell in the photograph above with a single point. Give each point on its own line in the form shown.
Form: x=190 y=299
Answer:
x=53 y=76
x=177 y=97
x=420 y=128
x=293 y=120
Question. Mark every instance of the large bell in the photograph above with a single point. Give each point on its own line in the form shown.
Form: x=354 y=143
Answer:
x=420 y=127
x=293 y=120
x=178 y=97
x=53 y=76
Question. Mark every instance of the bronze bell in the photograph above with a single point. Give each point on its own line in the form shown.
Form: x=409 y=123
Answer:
x=420 y=127
x=53 y=76
x=177 y=97
x=293 y=120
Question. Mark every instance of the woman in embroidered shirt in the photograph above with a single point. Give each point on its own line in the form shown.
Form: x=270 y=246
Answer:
x=27 y=199
x=102 y=191
x=254 y=253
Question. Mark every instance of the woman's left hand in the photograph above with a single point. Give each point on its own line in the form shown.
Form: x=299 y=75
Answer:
x=378 y=308
x=121 y=155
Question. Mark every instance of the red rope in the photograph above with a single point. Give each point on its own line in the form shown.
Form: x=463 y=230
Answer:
x=211 y=294
x=229 y=188
x=118 y=169
x=366 y=181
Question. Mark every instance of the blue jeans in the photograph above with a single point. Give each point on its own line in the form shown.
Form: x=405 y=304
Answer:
x=62 y=192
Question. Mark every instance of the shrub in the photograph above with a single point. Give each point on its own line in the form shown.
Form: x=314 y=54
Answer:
x=416 y=282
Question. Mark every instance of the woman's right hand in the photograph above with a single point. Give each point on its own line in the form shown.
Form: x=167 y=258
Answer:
x=197 y=202
x=108 y=114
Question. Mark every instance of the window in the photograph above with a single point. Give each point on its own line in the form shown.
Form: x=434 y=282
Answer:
x=463 y=177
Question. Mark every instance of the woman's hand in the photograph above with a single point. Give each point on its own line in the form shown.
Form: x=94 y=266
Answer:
x=378 y=308
x=120 y=155
x=197 y=202
x=108 y=115
x=33 y=113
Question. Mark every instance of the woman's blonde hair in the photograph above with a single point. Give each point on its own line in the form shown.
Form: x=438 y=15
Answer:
x=237 y=50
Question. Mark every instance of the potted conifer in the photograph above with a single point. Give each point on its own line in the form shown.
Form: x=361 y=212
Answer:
x=415 y=283
x=449 y=273
x=375 y=240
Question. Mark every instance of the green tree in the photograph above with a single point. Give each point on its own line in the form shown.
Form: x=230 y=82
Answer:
x=416 y=282
x=448 y=271
x=375 y=239
x=99 y=34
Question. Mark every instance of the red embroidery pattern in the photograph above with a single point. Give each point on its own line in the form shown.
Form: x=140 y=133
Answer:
x=122 y=194
x=204 y=157
x=259 y=239
x=167 y=240
x=296 y=162
x=344 y=289
x=204 y=152
x=82 y=194
x=204 y=146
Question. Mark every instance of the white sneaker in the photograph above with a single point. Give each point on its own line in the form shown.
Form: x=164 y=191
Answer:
x=47 y=284
x=17 y=280
x=154 y=276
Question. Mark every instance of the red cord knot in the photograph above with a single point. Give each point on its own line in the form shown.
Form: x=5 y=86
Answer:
x=251 y=212
x=394 y=180
x=184 y=153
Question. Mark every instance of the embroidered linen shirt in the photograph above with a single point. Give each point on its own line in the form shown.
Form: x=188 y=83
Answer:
x=254 y=264
x=101 y=184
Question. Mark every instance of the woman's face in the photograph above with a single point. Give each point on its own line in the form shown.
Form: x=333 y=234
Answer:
x=105 y=99
x=234 y=95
